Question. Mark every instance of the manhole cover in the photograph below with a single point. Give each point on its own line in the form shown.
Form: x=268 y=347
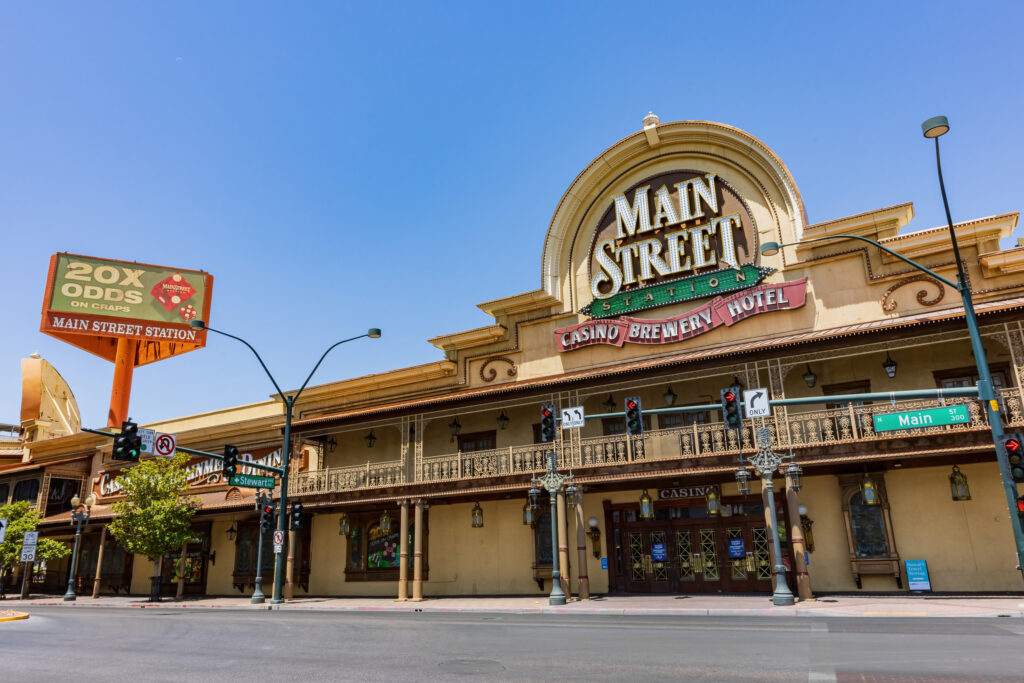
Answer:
x=471 y=666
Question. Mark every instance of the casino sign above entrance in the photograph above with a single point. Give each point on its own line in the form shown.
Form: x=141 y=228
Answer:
x=677 y=237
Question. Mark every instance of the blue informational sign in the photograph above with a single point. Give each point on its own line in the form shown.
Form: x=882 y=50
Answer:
x=604 y=563
x=917 y=575
x=658 y=552
x=737 y=549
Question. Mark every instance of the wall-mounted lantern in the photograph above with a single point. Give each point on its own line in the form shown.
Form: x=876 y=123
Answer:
x=370 y=439
x=609 y=404
x=502 y=420
x=713 y=500
x=810 y=377
x=478 y=516
x=958 y=485
x=385 y=523
x=343 y=525
x=889 y=366
x=595 y=535
x=232 y=532
x=332 y=444
x=529 y=514
x=454 y=427
x=869 y=491
x=646 y=506
x=669 y=396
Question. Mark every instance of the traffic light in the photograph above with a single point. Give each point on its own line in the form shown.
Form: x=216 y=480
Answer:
x=547 y=422
x=266 y=514
x=127 y=444
x=731 y=415
x=1020 y=511
x=296 y=516
x=230 y=461
x=634 y=416
x=1014 y=445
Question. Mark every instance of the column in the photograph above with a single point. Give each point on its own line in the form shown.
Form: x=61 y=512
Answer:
x=563 y=543
x=796 y=535
x=99 y=562
x=417 y=555
x=289 y=567
x=583 y=577
x=403 y=553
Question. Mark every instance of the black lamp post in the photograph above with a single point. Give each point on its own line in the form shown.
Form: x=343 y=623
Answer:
x=289 y=405
x=77 y=517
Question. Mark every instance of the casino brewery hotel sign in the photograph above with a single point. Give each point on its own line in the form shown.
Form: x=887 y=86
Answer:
x=676 y=238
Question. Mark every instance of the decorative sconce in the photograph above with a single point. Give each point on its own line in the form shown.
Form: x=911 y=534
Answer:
x=454 y=427
x=343 y=525
x=232 y=532
x=573 y=494
x=810 y=377
x=869 y=491
x=385 y=523
x=595 y=535
x=646 y=506
x=670 y=397
x=793 y=474
x=332 y=444
x=370 y=439
x=958 y=485
x=609 y=405
x=533 y=496
x=889 y=366
x=743 y=480
x=529 y=514
x=477 y=516
x=502 y=420
x=713 y=500
x=806 y=523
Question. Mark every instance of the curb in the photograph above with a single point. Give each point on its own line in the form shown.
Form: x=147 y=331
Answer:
x=18 y=616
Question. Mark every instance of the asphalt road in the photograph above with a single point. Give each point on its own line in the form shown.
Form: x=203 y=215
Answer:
x=95 y=644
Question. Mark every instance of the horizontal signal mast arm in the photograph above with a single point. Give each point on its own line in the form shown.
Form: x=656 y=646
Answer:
x=193 y=451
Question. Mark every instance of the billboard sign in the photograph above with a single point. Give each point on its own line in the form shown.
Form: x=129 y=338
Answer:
x=91 y=301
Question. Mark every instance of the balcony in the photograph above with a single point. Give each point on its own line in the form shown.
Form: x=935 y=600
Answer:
x=806 y=429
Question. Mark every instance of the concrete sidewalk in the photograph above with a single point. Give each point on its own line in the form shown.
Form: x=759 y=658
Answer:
x=669 y=605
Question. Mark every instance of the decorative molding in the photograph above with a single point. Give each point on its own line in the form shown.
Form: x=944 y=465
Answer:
x=490 y=374
x=922 y=295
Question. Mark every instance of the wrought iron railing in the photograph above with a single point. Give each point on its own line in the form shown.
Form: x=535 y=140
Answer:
x=789 y=427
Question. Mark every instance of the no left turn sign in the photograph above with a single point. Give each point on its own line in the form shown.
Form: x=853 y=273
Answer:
x=164 y=445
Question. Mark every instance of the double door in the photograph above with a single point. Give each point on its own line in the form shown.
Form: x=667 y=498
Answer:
x=697 y=556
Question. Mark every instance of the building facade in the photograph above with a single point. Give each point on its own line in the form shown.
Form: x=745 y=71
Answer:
x=653 y=286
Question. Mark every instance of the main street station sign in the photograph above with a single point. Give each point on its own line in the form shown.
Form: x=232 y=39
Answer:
x=92 y=302
x=682 y=236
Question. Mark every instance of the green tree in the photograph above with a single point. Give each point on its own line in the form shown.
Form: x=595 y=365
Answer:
x=21 y=518
x=156 y=515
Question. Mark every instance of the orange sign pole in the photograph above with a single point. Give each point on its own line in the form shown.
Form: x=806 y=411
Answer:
x=120 y=393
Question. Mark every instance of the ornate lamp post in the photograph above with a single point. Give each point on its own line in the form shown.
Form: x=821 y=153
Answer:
x=765 y=462
x=551 y=482
x=289 y=404
x=77 y=517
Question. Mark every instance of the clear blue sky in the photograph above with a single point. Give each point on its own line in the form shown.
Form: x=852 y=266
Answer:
x=338 y=166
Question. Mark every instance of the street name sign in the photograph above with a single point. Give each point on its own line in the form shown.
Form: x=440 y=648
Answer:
x=252 y=481
x=573 y=418
x=755 y=403
x=918 y=419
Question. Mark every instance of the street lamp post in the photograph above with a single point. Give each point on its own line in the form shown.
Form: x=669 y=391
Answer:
x=934 y=128
x=289 y=404
x=552 y=481
x=765 y=463
x=77 y=517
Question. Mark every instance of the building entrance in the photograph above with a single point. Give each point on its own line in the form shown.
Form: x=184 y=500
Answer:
x=683 y=550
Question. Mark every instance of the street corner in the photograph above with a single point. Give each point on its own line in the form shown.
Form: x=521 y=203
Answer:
x=12 y=615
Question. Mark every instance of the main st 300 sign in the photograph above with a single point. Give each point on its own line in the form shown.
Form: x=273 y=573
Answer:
x=677 y=237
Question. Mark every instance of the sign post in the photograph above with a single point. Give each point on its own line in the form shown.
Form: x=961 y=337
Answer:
x=28 y=557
